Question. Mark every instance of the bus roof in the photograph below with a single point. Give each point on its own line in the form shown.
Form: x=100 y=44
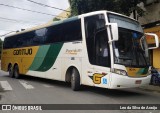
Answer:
x=45 y=25
x=67 y=20
x=105 y=11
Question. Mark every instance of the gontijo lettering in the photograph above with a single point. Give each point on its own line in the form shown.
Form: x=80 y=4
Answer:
x=23 y=52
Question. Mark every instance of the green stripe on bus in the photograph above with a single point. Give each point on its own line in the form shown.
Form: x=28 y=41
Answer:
x=142 y=71
x=38 y=60
x=50 y=57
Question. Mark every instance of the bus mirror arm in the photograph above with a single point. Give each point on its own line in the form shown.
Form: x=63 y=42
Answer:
x=156 y=40
x=113 y=27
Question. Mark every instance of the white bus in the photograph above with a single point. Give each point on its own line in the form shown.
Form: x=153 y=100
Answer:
x=101 y=49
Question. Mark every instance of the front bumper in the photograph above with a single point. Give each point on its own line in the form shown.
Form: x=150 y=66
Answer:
x=120 y=81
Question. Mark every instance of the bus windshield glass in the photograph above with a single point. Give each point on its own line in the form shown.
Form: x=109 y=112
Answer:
x=131 y=49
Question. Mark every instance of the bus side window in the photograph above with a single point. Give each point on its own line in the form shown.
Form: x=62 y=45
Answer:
x=90 y=27
x=40 y=36
x=102 y=49
x=72 y=31
x=67 y=32
x=54 y=34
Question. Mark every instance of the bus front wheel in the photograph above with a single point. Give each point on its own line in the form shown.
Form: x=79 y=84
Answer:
x=16 y=72
x=75 y=80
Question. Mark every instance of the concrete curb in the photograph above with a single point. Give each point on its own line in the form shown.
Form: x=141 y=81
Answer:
x=151 y=88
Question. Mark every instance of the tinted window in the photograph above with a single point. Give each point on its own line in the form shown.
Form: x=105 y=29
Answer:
x=65 y=32
x=97 y=40
x=25 y=39
x=69 y=31
x=39 y=37
x=72 y=31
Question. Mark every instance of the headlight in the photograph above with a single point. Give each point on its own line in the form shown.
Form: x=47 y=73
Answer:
x=120 y=72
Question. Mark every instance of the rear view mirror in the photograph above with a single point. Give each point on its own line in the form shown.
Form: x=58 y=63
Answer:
x=114 y=31
x=152 y=40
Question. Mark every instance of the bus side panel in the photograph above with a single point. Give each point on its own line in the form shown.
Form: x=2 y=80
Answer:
x=87 y=72
x=4 y=62
x=71 y=55
x=44 y=60
x=8 y=57
x=23 y=57
x=97 y=76
x=55 y=71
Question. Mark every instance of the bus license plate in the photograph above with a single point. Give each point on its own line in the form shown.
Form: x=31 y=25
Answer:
x=138 y=81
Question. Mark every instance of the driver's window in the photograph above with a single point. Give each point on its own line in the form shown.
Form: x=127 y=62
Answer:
x=96 y=35
x=102 y=49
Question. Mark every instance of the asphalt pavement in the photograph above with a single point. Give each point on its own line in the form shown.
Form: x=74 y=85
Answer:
x=32 y=90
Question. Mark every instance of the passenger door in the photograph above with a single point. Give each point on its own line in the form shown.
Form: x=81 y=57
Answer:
x=98 y=69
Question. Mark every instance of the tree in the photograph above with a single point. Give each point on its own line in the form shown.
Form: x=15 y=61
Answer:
x=56 y=19
x=119 y=6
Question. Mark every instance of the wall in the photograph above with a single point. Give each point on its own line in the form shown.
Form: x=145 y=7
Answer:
x=152 y=13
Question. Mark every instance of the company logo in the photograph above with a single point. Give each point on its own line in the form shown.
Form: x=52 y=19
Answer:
x=20 y=107
x=23 y=52
x=73 y=52
x=6 y=107
x=97 y=78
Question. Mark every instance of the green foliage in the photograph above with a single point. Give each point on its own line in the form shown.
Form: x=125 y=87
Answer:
x=119 y=6
x=56 y=19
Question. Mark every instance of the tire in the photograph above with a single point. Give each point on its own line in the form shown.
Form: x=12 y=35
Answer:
x=16 y=72
x=75 y=80
x=10 y=70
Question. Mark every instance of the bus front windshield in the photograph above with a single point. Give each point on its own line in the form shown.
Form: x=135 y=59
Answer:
x=131 y=49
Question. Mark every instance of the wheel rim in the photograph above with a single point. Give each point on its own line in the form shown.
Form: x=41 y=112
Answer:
x=10 y=72
x=16 y=73
x=72 y=79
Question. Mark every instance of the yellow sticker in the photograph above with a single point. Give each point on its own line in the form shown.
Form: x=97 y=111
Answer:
x=97 y=78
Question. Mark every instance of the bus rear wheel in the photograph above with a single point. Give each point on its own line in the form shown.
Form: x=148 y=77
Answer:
x=16 y=72
x=10 y=70
x=75 y=80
